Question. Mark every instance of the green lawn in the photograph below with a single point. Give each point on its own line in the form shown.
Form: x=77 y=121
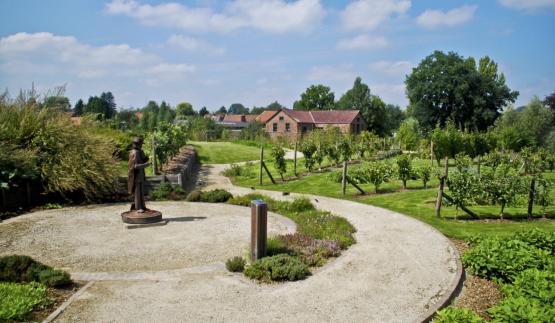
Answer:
x=225 y=152
x=415 y=201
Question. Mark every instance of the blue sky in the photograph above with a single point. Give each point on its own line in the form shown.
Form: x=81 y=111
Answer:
x=214 y=53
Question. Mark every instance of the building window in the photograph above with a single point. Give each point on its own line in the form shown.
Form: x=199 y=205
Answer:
x=287 y=127
x=274 y=127
x=280 y=118
x=303 y=129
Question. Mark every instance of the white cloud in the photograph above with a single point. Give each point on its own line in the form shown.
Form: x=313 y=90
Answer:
x=363 y=42
x=454 y=17
x=390 y=93
x=332 y=74
x=67 y=55
x=528 y=4
x=369 y=14
x=195 y=45
x=276 y=16
x=391 y=69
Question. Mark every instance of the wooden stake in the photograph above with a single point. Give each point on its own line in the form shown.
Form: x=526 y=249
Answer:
x=344 y=179
x=268 y=172
x=295 y=160
x=261 y=163
x=350 y=181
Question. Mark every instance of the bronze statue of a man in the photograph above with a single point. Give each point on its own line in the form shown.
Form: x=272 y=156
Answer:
x=138 y=161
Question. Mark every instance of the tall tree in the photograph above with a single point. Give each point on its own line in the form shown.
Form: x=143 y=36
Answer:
x=78 y=108
x=110 y=107
x=316 y=97
x=57 y=102
x=203 y=111
x=371 y=107
x=222 y=110
x=237 y=108
x=393 y=118
x=274 y=106
x=549 y=101
x=184 y=109
x=449 y=87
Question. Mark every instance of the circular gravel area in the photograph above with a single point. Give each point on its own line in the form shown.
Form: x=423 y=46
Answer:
x=94 y=238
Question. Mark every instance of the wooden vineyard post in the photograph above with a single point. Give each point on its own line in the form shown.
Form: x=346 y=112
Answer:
x=261 y=162
x=344 y=178
x=295 y=160
x=259 y=228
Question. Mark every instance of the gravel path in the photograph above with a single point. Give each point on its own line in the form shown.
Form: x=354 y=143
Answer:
x=400 y=270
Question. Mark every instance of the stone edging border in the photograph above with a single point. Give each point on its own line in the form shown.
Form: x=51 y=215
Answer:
x=65 y=304
x=455 y=286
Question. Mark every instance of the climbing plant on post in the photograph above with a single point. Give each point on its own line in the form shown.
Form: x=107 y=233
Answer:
x=278 y=153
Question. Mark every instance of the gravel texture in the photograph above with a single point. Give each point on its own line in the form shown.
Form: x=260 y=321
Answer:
x=399 y=270
x=94 y=238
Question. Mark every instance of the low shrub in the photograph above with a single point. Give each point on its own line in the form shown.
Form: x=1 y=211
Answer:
x=214 y=196
x=52 y=206
x=457 y=315
x=335 y=176
x=313 y=252
x=522 y=309
x=54 y=277
x=22 y=269
x=299 y=204
x=17 y=301
x=235 y=264
x=167 y=191
x=537 y=238
x=194 y=196
x=237 y=170
x=502 y=260
x=277 y=268
x=388 y=154
x=276 y=246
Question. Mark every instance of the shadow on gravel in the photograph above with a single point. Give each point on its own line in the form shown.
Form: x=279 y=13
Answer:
x=186 y=219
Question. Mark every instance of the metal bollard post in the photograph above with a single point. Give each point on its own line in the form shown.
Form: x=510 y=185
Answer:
x=259 y=227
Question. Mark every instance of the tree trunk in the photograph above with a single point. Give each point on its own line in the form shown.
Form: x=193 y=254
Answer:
x=502 y=209
x=446 y=167
x=425 y=185
x=440 y=196
x=531 y=198
x=344 y=178
x=404 y=184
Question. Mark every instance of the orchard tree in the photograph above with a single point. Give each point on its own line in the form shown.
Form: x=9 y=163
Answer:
x=409 y=134
x=278 y=154
x=316 y=97
x=308 y=148
x=404 y=169
x=463 y=187
x=425 y=173
x=366 y=143
x=449 y=87
x=378 y=173
x=502 y=185
x=372 y=108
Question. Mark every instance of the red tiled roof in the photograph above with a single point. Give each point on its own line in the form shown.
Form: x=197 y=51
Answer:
x=250 y=117
x=342 y=116
x=265 y=116
x=233 y=118
x=332 y=116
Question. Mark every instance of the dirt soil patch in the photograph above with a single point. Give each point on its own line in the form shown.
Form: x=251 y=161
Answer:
x=58 y=297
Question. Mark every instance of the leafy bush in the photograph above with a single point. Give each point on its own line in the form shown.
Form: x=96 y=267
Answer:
x=277 y=268
x=167 y=191
x=278 y=155
x=389 y=153
x=17 y=301
x=537 y=238
x=521 y=309
x=52 y=206
x=276 y=246
x=235 y=264
x=237 y=170
x=213 y=196
x=18 y=269
x=457 y=315
x=335 y=176
x=404 y=169
x=378 y=173
x=425 y=174
x=503 y=259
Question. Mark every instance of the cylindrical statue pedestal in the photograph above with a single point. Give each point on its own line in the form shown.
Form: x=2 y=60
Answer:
x=146 y=217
